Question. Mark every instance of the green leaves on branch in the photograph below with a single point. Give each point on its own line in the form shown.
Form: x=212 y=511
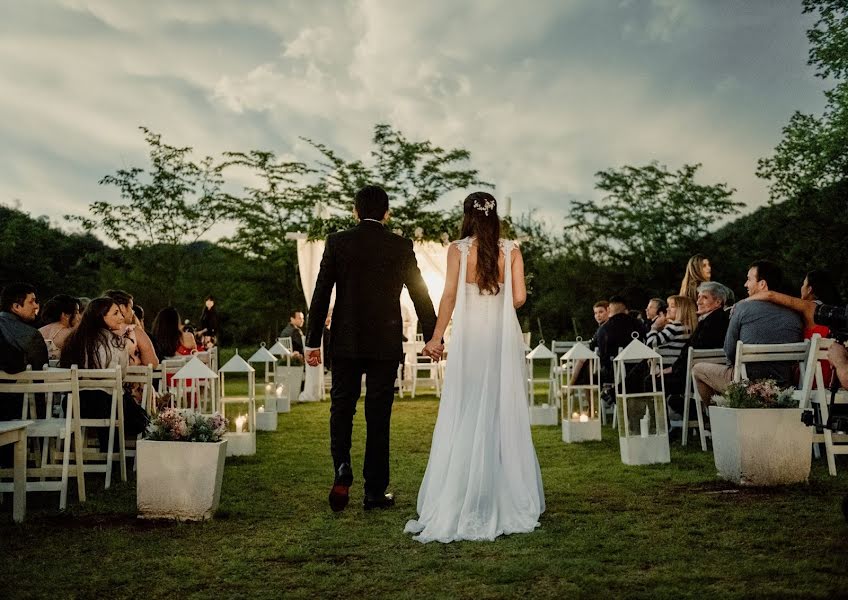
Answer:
x=173 y=203
x=647 y=213
x=813 y=153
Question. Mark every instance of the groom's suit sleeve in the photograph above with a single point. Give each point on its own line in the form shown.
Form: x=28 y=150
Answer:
x=320 y=304
x=418 y=292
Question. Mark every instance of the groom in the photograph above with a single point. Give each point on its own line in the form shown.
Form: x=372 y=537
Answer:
x=369 y=266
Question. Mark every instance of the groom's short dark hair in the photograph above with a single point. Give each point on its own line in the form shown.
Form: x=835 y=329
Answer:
x=371 y=202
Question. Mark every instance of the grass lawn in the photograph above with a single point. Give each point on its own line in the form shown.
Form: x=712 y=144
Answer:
x=609 y=531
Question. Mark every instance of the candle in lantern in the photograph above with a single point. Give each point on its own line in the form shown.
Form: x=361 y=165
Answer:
x=240 y=421
x=280 y=391
x=261 y=409
x=575 y=416
x=584 y=418
x=645 y=423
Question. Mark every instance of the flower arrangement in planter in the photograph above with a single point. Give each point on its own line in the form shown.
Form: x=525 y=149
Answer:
x=185 y=425
x=758 y=436
x=179 y=480
x=764 y=393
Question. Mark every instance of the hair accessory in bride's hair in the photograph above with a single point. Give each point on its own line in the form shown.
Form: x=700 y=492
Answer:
x=485 y=207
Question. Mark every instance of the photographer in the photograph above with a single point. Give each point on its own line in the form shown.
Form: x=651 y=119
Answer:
x=838 y=357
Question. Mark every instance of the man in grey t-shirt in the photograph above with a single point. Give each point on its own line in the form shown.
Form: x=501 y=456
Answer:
x=753 y=323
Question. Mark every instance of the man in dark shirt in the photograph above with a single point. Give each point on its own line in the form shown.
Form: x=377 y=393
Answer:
x=294 y=331
x=614 y=335
x=21 y=344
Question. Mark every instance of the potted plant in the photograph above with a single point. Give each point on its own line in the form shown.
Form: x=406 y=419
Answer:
x=758 y=436
x=181 y=465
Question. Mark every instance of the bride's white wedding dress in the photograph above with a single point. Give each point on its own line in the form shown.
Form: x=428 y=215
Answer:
x=483 y=478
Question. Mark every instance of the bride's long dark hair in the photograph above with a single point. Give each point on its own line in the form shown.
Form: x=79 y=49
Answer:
x=481 y=220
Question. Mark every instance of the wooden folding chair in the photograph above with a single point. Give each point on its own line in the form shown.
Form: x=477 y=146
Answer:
x=65 y=429
x=711 y=355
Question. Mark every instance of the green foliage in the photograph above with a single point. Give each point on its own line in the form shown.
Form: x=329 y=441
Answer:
x=609 y=530
x=414 y=174
x=647 y=213
x=283 y=203
x=32 y=250
x=172 y=204
x=813 y=153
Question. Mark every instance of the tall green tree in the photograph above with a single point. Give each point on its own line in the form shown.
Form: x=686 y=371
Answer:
x=163 y=210
x=813 y=153
x=646 y=215
x=416 y=174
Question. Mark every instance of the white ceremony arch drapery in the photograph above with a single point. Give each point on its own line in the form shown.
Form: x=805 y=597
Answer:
x=432 y=260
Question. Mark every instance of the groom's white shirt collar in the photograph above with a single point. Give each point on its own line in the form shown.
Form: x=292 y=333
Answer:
x=374 y=220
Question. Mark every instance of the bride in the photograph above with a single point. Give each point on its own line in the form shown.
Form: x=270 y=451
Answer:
x=483 y=478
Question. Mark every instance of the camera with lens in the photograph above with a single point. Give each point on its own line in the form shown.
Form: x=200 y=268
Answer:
x=834 y=317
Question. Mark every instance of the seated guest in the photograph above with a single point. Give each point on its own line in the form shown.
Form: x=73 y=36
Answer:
x=670 y=333
x=615 y=334
x=600 y=311
x=753 y=323
x=294 y=331
x=709 y=333
x=698 y=270
x=20 y=343
x=98 y=342
x=170 y=334
x=61 y=314
x=656 y=308
x=139 y=347
x=210 y=323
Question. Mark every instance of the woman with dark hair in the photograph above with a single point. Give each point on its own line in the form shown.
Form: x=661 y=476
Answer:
x=483 y=478
x=169 y=333
x=99 y=343
x=698 y=270
x=60 y=315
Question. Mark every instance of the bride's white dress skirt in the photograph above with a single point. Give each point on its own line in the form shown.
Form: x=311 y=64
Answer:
x=483 y=478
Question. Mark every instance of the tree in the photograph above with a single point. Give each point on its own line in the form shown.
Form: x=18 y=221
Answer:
x=165 y=209
x=813 y=153
x=283 y=202
x=648 y=214
x=417 y=174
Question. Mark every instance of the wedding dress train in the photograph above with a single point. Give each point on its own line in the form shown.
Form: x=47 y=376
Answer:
x=483 y=477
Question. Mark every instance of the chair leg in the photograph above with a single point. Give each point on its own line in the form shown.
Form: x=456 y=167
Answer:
x=685 y=436
x=122 y=441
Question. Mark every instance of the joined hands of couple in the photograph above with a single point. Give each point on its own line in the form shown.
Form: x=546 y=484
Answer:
x=433 y=349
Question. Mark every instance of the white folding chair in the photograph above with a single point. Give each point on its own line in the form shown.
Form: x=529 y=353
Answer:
x=167 y=369
x=711 y=355
x=815 y=394
x=52 y=383
x=427 y=365
x=141 y=375
x=746 y=354
x=110 y=381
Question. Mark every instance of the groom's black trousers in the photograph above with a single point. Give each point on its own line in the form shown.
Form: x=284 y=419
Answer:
x=347 y=385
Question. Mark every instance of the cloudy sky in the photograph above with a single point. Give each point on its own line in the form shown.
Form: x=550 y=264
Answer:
x=543 y=93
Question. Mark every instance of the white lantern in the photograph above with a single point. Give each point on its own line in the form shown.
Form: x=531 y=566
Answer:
x=264 y=356
x=545 y=414
x=242 y=441
x=642 y=426
x=288 y=375
x=189 y=391
x=581 y=403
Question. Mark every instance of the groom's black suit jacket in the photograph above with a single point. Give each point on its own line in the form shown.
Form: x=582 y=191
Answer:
x=369 y=266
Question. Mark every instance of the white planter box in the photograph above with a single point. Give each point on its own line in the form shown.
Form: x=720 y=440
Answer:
x=761 y=446
x=179 y=480
x=266 y=421
x=292 y=377
x=575 y=431
x=544 y=415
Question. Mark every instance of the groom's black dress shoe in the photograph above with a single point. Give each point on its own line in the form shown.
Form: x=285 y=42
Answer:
x=340 y=492
x=372 y=502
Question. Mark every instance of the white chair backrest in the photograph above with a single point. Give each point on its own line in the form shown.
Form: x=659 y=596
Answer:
x=205 y=357
x=561 y=347
x=287 y=343
x=706 y=355
x=757 y=353
x=29 y=382
x=813 y=375
x=100 y=379
x=213 y=356
x=142 y=375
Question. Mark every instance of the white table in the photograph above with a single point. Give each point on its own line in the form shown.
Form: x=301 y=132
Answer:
x=15 y=433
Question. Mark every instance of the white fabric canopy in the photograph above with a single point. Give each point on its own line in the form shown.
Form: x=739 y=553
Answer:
x=432 y=260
